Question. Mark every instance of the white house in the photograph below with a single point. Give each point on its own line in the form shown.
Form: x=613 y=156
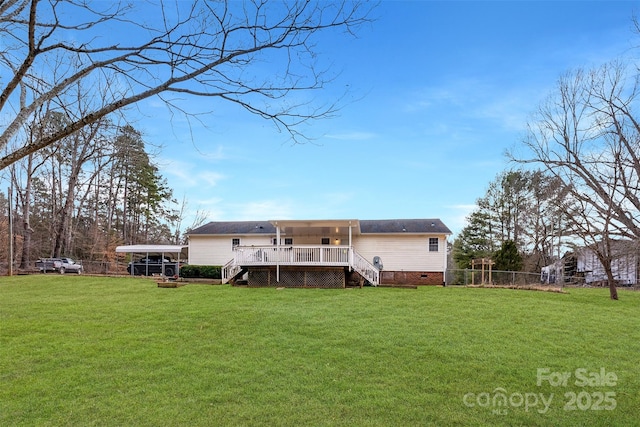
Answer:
x=625 y=264
x=583 y=265
x=324 y=253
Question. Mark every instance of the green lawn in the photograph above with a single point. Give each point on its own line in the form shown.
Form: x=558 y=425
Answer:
x=77 y=350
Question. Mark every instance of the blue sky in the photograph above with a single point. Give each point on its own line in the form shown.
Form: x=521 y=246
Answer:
x=437 y=92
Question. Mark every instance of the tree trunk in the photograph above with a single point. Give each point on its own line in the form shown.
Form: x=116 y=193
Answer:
x=65 y=214
x=613 y=291
x=606 y=264
x=25 y=259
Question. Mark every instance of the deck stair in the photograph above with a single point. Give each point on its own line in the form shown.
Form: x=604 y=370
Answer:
x=365 y=268
x=231 y=272
x=298 y=256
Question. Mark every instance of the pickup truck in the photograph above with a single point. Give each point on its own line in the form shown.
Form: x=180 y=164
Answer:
x=154 y=264
x=61 y=265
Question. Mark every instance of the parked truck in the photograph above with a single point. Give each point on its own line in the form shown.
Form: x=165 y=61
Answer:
x=61 y=265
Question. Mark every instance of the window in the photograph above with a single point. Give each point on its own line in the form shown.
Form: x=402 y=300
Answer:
x=325 y=240
x=288 y=241
x=235 y=242
x=433 y=244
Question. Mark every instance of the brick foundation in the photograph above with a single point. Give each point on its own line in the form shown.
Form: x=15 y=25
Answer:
x=411 y=278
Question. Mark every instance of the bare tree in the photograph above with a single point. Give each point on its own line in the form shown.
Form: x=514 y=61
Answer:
x=200 y=48
x=541 y=221
x=4 y=232
x=23 y=175
x=587 y=136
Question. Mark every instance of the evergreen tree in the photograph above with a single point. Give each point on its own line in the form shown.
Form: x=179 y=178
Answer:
x=507 y=258
x=474 y=240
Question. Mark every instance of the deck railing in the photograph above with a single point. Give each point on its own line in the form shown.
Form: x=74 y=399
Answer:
x=342 y=256
x=366 y=269
x=292 y=255
x=229 y=270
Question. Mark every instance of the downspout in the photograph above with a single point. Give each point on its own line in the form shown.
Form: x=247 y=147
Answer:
x=446 y=248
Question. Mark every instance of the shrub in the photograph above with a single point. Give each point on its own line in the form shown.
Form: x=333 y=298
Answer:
x=201 y=271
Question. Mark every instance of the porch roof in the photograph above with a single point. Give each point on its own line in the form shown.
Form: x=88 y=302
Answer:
x=307 y=226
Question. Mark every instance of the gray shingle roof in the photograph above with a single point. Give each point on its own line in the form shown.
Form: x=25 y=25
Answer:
x=236 y=227
x=366 y=226
x=403 y=226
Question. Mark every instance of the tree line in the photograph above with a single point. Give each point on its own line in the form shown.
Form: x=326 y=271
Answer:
x=87 y=193
x=577 y=179
x=82 y=180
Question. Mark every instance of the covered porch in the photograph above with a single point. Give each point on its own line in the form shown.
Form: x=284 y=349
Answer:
x=334 y=252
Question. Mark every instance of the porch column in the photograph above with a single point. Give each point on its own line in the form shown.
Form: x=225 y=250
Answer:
x=277 y=252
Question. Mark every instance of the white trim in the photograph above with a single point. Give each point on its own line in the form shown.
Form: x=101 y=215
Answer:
x=151 y=248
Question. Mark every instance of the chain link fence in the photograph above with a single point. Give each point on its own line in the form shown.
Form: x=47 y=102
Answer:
x=88 y=267
x=453 y=277
x=468 y=277
x=520 y=279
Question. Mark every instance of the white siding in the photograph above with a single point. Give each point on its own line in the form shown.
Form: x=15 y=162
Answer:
x=217 y=250
x=314 y=240
x=403 y=252
x=623 y=267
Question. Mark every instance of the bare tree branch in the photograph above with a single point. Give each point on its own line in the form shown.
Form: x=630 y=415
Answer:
x=587 y=135
x=206 y=49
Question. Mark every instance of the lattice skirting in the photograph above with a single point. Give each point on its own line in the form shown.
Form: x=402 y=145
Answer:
x=297 y=277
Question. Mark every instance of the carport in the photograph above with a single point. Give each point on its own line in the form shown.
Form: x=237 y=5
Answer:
x=147 y=250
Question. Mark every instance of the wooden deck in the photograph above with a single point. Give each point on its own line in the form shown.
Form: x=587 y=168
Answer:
x=246 y=257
